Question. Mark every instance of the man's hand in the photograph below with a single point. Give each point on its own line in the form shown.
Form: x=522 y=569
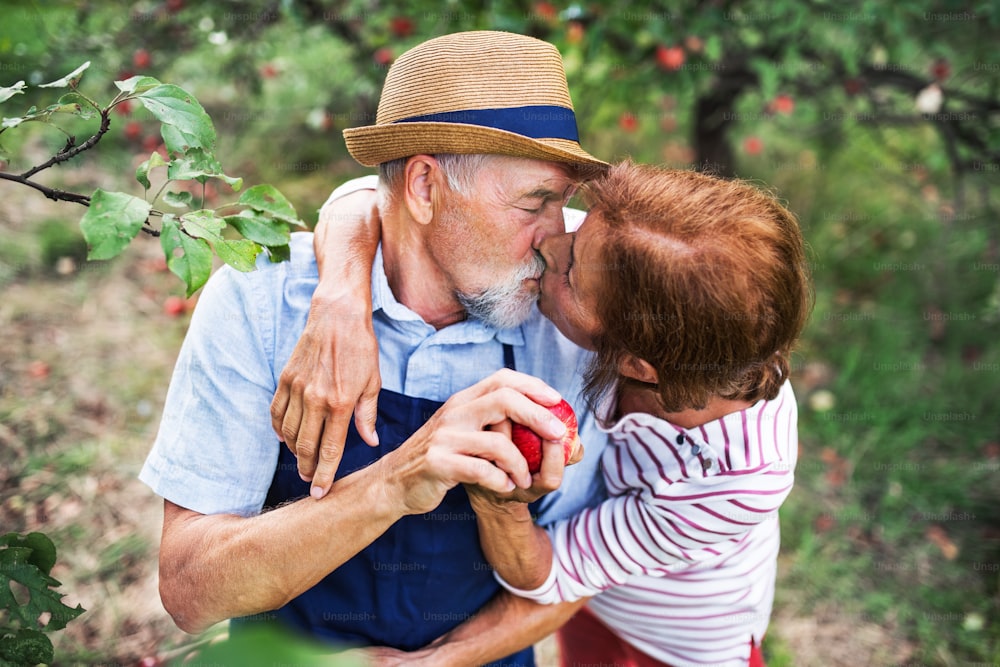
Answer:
x=546 y=480
x=458 y=444
x=333 y=371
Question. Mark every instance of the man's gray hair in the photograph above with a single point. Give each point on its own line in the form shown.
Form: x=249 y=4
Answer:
x=459 y=169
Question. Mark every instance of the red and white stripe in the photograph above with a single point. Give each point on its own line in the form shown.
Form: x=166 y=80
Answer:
x=682 y=555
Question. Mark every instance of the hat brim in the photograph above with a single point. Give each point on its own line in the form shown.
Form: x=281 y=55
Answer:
x=374 y=144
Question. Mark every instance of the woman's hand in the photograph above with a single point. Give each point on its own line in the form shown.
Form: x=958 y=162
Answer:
x=333 y=372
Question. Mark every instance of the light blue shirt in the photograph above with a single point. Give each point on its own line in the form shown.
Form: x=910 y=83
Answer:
x=216 y=452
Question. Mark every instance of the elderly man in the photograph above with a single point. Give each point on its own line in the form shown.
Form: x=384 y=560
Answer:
x=390 y=555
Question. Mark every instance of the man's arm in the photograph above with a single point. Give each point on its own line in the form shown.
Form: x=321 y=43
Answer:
x=218 y=566
x=333 y=372
x=214 y=567
x=504 y=626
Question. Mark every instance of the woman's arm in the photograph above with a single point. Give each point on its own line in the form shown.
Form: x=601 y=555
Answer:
x=519 y=551
x=333 y=371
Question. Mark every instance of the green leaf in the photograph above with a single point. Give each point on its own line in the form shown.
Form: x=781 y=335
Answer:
x=199 y=165
x=177 y=108
x=279 y=253
x=258 y=227
x=11 y=91
x=111 y=222
x=26 y=647
x=268 y=199
x=142 y=171
x=768 y=76
x=260 y=645
x=194 y=263
x=43 y=551
x=19 y=562
x=713 y=48
x=137 y=84
x=203 y=225
x=241 y=254
x=178 y=199
x=68 y=80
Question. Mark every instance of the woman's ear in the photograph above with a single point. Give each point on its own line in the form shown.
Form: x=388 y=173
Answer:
x=638 y=369
x=420 y=179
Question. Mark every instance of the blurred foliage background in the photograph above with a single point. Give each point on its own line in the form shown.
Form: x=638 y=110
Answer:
x=878 y=124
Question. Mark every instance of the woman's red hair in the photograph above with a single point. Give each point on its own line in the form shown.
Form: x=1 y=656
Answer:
x=706 y=280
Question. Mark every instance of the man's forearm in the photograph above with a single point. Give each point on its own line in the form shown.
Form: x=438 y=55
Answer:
x=504 y=626
x=214 y=567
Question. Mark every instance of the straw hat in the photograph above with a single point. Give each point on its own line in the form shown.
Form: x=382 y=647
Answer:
x=474 y=92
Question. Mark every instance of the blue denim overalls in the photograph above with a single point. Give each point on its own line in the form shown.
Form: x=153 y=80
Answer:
x=421 y=578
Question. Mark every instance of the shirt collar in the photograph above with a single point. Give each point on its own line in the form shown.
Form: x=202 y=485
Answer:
x=468 y=331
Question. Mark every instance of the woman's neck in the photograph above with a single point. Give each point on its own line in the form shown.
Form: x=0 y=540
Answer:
x=642 y=399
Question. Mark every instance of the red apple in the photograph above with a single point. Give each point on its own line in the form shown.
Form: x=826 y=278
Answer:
x=38 y=369
x=124 y=108
x=628 y=122
x=530 y=444
x=753 y=146
x=783 y=104
x=383 y=56
x=174 y=306
x=694 y=44
x=853 y=86
x=401 y=26
x=670 y=58
x=133 y=130
x=575 y=32
x=174 y=6
x=547 y=11
x=141 y=59
x=941 y=69
x=150 y=143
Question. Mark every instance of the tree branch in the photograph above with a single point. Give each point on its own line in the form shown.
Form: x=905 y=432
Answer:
x=70 y=150
x=51 y=193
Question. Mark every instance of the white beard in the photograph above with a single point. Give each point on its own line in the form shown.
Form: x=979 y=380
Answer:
x=504 y=305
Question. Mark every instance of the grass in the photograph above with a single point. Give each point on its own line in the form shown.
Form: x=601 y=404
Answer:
x=893 y=518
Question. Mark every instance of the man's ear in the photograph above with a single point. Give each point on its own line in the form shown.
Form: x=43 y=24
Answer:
x=421 y=178
x=638 y=369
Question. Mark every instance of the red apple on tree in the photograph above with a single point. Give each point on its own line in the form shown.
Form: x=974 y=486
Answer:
x=670 y=58
x=133 y=130
x=628 y=122
x=530 y=444
x=383 y=56
x=174 y=306
x=141 y=59
x=853 y=86
x=753 y=145
x=783 y=104
x=941 y=69
x=401 y=26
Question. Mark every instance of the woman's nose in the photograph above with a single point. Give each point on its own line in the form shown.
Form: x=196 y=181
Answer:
x=552 y=249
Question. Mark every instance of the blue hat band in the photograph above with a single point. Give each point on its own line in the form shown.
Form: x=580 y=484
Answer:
x=534 y=122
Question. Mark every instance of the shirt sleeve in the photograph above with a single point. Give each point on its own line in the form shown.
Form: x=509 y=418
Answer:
x=665 y=527
x=215 y=451
x=369 y=182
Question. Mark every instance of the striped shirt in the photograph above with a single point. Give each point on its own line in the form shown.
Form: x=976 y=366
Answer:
x=682 y=556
